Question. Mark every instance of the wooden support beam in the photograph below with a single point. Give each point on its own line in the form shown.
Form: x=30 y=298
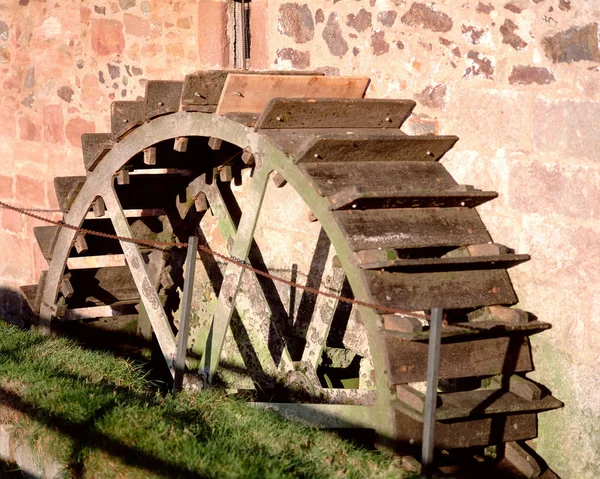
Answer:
x=123 y=177
x=225 y=173
x=80 y=243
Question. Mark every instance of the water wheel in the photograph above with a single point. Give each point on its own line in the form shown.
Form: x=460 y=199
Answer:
x=327 y=192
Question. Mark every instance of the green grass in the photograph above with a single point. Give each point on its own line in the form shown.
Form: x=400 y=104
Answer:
x=103 y=418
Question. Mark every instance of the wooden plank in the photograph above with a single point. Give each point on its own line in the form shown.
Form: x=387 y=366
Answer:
x=400 y=147
x=162 y=97
x=476 y=404
x=89 y=262
x=95 y=146
x=334 y=113
x=46 y=238
x=332 y=177
x=479 y=432
x=445 y=289
x=361 y=198
x=102 y=286
x=66 y=189
x=126 y=115
x=202 y=89
x=411 y=228
x=449 y=263
x=252 y=93
x=407 y=360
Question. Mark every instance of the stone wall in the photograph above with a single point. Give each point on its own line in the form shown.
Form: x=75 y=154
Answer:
x=516 y=80
x=519 y=83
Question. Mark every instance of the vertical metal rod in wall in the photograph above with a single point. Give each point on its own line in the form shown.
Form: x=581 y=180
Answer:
x=244 y=35
x=184 y=321
x=433 y=363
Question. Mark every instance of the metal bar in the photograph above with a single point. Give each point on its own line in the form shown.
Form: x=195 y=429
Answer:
x=433 y=363
x=233 y=275
x=184 y=320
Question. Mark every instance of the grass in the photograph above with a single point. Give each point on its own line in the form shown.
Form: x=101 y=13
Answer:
x=102 y=417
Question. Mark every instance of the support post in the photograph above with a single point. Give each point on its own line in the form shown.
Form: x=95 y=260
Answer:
x=433 y=363
x=184 y=320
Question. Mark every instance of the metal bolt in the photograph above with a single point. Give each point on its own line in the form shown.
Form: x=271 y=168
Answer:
x=196 y=93
x=429 y=153
x=278 y=118
x=125 y=120
x=388 y=119
x=462 y=203
x=388 y=298
x=239 y=93
x=160 y=103
x=316 y=155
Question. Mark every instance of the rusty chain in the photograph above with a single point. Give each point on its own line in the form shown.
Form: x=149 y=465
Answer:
x=242 y=264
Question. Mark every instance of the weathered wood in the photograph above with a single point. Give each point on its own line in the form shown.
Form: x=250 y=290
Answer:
x=332 y=177
x=123 y=177
x=201 y=202
x=402 y=324
x=46 y=238
x=150 y=156
x=524 y=462
x=202 y=89
x=89 y=262
x=162 y=97
x=448 y=289
x=66 y=288
x=95 y=146
x=464 y=330
x=102 y=286
x=520 y=386
x=334 y=113
x=448 y=263
x=407 y=360
x=411 y=228
x=478 y=432
x=180 y=144
x=126 y=115
x=248 y=156
x=225 y=173
x=477 y=403
x=215 y=143
x=252 y=93
x=499 y=314
x=80 y=243
x=358 y=197
x=359 y=148
x=67 y=188
x=29 y=293
x=278 y=180
x=99 y=207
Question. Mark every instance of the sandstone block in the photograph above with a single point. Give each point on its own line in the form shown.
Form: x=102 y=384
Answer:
x=54 y=124
x=107 y=37
x=213 y=43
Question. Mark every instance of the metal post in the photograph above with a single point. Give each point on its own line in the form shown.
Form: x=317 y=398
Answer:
x=184 y=321
x=433 y=363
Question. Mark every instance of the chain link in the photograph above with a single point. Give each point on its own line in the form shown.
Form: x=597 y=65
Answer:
x=206 y=249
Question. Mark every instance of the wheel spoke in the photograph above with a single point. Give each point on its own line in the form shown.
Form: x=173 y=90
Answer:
x=233 y=273
x=137 y=266
x=320 y=324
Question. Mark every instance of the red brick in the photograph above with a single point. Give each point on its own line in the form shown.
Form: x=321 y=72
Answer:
x=12 y=221
x=107 y=37
x=140 y=27
x=76 y=127
x=28 y=130
x=213 y=42
x=54 y=124
x=29 y=192
x=6 y=187
x=16 y=258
